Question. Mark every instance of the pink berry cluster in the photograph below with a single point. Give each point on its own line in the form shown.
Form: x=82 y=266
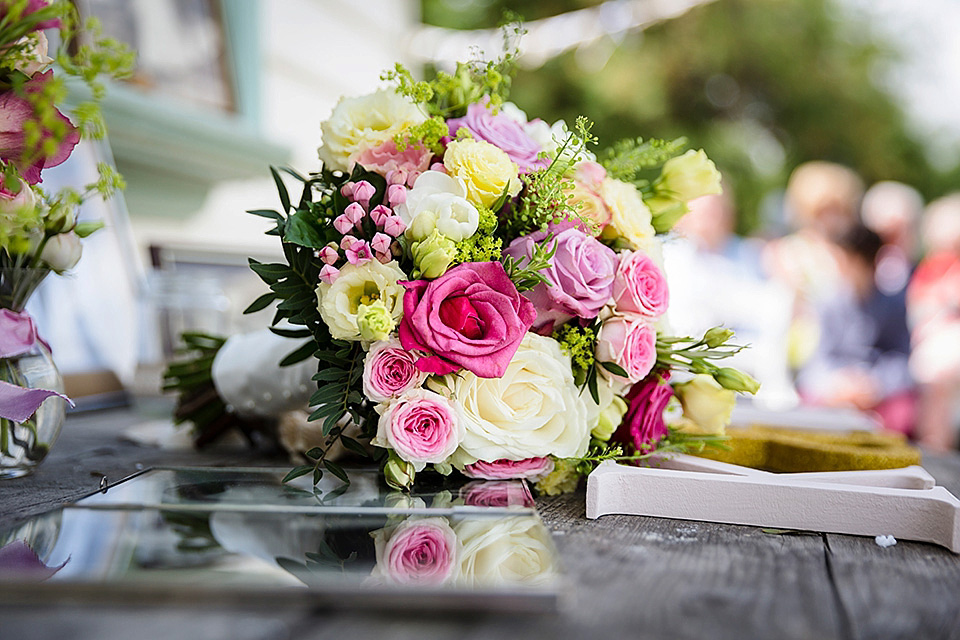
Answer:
x=355 y=247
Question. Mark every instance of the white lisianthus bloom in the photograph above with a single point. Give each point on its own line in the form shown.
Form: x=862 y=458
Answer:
x=439 y=202
x=358 y=124
x=689 y=176
x=534 y=410
x=510 y=551
x=354 y=291
x=62 y=251
x=706 y=404
x=630 y=218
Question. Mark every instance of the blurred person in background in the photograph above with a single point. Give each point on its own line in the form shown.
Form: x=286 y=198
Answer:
x=823 y=202
x=933 y=296
x=734 y=295
x=892 y=210
x=861 y=359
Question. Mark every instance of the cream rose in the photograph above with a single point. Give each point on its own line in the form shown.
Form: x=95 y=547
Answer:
x=485 y=170
x=516 y=550
x=438 y=202
x=534 y=410
x=689 y=176
x=359 y=124
x=705 y=404
x=354 y=290
x=629 y=216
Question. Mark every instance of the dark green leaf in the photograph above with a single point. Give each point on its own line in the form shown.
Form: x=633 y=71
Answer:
x=293 y=173
x=615 y=369
x=291 y=333
x=267 y=213
x=592 y=385
x=314 y=453
x=330 y=374
x=301 y=231
x=331 y=421
x=353 y=445
x=301 y=354
x=296 y=472
x=336 y=470
x=260 y=303
x=317 y=475
x=282 y=190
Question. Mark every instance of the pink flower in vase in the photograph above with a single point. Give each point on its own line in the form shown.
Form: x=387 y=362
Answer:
x=643 y=423
x=418 y=551
x=389 y=371
x=396 y=194
x=343 y=223
x=329 y=254
x=640 y=286
x=355 y=213
x=394 y=226
x=329 y=274
x=379 y=215
x=423 y=427
x=503 y=132
x=362 y=192
x=359 y=252
x=629 y=341
x=386 y=160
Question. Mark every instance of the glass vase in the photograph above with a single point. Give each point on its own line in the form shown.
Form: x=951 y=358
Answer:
x=24 y=445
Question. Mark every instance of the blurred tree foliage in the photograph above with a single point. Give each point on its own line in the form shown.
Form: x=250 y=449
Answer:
x=761 y=85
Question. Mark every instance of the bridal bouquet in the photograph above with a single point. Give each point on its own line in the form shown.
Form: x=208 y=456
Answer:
x=484 y=293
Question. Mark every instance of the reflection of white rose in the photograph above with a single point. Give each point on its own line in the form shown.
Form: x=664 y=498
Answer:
x=512 y=551
x=706 y=404
x=534 y=410
x=629 y=216
x=358 y=124
x=359 y=285
x=438 y=201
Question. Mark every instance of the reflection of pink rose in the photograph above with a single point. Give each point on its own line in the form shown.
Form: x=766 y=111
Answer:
x=16 y=110
x=422 y=427
x=581 y=275
x=643 y=423
x=629 y=341
x=19 y=561
x=471 y=317
x=640 y=286
x=420 y=552
x=501 y=131
x=531 y=468
x=385 y=158
x=496 y=493
x=389 y=371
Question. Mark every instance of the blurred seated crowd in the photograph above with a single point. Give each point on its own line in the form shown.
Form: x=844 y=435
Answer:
x=858 y=306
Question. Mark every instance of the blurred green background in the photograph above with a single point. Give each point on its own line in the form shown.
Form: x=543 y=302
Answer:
x=761 y=85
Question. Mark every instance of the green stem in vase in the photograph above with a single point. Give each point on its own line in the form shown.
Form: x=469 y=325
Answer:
x=5 y=426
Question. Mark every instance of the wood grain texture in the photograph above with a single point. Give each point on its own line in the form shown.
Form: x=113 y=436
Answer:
x=629 y=577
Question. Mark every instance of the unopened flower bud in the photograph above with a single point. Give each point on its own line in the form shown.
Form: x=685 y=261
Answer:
x=399 y=474
x=717 y=336
x=434 y=255
x=734 y=380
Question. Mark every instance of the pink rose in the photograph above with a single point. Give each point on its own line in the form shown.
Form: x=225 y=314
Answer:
x=496 y=493
x=385 y=158
x=501 y=131
x=18 y=333
x=418 y=552
x=581 y=275
x=629 y=341
x=389 y=371
x=422 y=427
x=530 y=468
x=16 y=110
x=588 y=178
x=643 y=423
x=471 y=317
x=640 y=286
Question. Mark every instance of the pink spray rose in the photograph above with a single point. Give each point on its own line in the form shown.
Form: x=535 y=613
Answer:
x=385 y=158
x=530 y=468
x=629 y=341
x=501 y=131
x=417 y=552
x=643 y=423
x=471 y=317
x=422 y=427
x=581 y=274
x=640 y=286
x=496 y=493
x=588 y=180
x=389 y=371
x=15 y=110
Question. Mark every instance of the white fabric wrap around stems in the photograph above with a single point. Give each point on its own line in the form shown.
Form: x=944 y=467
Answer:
x=248 y=376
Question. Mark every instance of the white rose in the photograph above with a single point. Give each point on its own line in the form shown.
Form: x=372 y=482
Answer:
x=360 y=285
x=513 y=551
x=438 y=201
x=630 y=218
x=706 y=404
x=62 y=251
x=358 y=124
x=534 y=410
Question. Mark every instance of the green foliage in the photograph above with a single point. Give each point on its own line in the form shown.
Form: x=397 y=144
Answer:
x=527 y=273
x=673 y=443
x=579 y=343
x=426 y=135
x=760 y=85
x=482 y=246
x=627 y=159
x=694 y=355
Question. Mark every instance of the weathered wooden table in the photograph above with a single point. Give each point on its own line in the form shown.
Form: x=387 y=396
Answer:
x=630 y=577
